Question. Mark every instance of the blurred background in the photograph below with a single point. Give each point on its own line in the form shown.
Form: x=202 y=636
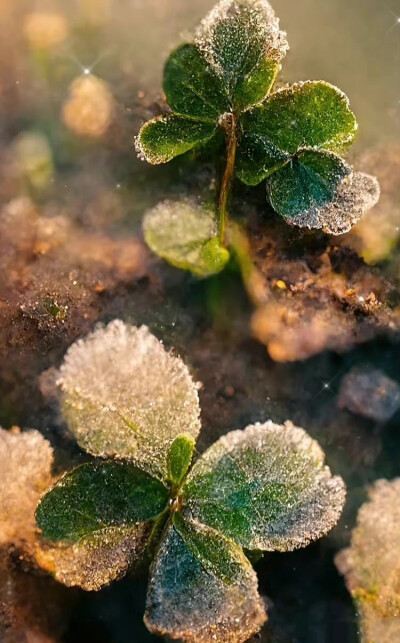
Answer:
x=77 y=80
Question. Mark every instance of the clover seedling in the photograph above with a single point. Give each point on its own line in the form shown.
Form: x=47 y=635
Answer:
x=135 y=407
x=289 y=137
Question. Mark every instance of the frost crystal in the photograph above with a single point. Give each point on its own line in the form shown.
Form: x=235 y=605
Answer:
x=356 y=194
x=266 y=488
x=25 y=473
x=125 y=396
x=371 y=565
x=95 y=561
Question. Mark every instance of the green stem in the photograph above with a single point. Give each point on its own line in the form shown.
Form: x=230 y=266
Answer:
x=227 y=179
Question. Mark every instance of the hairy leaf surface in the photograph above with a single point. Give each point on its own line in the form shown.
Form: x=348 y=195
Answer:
x=125 y=396
x=96 y=496
x=308 y=181
x=202 y=588
x=265 y=488
x=184 y=233
x=165 y=137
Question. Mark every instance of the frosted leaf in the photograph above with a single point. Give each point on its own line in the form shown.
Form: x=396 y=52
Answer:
x=25 y=473
x=242 y=41
x=125 y=396
x=165 y=137
x=306 y=183
x=197 y=600
x=356 y=194
x=98 y=495
x=184 y=233
x=265 y=488
x=371 y=564
x=96 y=560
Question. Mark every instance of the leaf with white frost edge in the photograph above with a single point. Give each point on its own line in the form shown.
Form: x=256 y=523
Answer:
x=202 y=588
x=242 y=42
x=125 y=396
x=355 y=195
x=266 y=488
x=96 y=560
x=185 y=234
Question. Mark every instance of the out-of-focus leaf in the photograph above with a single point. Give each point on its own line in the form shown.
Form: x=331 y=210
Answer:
x=96 y=496
x=179 y=457
x=265 y=488
x=202 y=588
x=125 y=396
x=356 y=194
x=165 y=137
x=306 y=182
x=313 y=114
x=241 y=40
x=94 y=560
x=185 y=234
x=371 y=565
x=25 y=473
x=191 y=85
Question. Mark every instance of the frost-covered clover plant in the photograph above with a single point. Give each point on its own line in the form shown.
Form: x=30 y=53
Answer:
x=288 y=137
x=135 y=407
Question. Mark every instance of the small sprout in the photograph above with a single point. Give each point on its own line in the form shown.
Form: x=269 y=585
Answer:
x=263 y=488
x=371 y=565
x=291 y=138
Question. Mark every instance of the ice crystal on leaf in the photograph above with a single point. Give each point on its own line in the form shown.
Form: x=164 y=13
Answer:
x=133 y=404
x=371 y=565
x=290 y=138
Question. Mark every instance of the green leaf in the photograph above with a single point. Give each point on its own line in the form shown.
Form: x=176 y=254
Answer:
x=202 y=588
x=179 y=457
x=185 y=234
x=242 y=41
x=356 y=194
x=265 y=488
x=308 y=181
x=95 y=560
x=125 y=396
x=96 y=496
x=191 y=85
x=165 y=137
x=257 y=158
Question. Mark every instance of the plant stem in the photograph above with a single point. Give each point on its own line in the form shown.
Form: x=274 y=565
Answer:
x=227 y=179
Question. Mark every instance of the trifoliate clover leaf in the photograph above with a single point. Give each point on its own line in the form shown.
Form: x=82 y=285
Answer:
x=125 y=396
x=262 y=488
x=231 y=65
x=266 y=488
x=202 y=588
x=185 y=234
